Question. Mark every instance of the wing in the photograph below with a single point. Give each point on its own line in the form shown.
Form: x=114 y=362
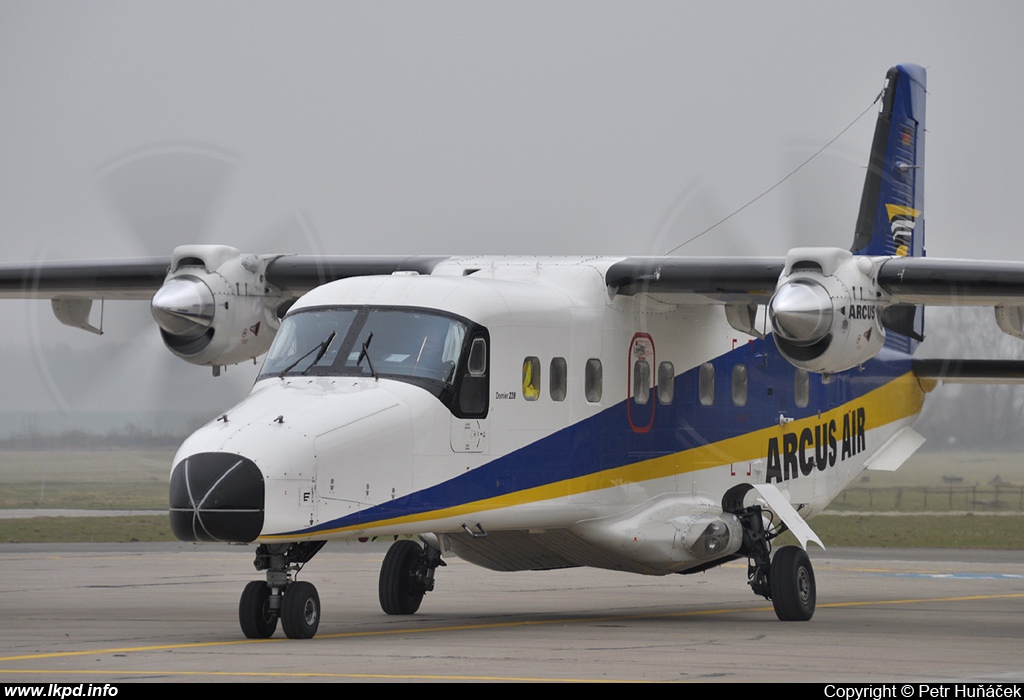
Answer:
x=141 y=278
x=831 y=310
x=214 y=305
x=938 y=282
x=100 y=279
x=697 y=280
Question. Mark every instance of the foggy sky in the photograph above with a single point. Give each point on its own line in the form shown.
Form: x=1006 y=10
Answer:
x=472 y=127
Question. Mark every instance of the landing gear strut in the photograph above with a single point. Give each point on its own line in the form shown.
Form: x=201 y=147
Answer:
x=787 y=579
x=295 y=603
x=406 y=575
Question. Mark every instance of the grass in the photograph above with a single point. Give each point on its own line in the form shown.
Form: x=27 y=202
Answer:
x=112 y=479
x=135 y=528
x=137 y=480
x=990 y=483
x=927 y=468
x=918 y=531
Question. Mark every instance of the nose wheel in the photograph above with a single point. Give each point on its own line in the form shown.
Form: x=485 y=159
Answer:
x=295 y=603
x=300 y=610
x=257 y=619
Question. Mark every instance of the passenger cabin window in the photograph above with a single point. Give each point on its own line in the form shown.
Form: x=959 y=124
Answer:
x=557 y=379
x=641 y=381
x=442 y=353
x=593 y=383
x=666 y=383
x=706 y=384
x=739 y=385
x=801 y=388
x=531 y=379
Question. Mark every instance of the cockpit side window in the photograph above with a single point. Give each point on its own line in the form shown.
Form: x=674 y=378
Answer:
x=477 y=363
x=474 y=385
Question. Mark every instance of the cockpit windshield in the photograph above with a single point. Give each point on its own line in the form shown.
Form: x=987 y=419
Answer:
x=403 y=344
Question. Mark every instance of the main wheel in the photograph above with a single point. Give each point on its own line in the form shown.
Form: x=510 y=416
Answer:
x=398 y=589
x=792 y=584
x=258 y=621
x=300 y=610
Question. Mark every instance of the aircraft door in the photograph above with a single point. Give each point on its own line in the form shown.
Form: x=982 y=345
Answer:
x=469 y=425
x=640 y=402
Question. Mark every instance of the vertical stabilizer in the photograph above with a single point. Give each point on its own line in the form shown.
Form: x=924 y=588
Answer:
x=891 y=218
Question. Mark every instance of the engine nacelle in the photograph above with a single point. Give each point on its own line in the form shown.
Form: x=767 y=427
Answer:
x=215 y=307
x=826 y=312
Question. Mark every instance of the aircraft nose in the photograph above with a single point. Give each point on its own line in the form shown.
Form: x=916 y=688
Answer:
x=216 y=497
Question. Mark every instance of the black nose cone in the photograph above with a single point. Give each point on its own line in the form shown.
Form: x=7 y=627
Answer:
x=216 y=497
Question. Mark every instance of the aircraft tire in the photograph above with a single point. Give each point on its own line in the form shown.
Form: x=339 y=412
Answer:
x=397 y=589
x=300 y=610
x=792 y=584
x=256 y=618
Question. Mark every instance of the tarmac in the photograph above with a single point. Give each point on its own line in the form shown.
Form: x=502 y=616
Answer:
x=168 y=612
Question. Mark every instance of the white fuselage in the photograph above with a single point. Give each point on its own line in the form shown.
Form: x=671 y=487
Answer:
x=608 y=466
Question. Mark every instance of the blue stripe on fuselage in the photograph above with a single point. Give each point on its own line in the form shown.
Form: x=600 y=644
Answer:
x=606 y=440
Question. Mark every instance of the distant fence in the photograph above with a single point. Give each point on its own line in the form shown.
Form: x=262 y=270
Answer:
x=931 y=498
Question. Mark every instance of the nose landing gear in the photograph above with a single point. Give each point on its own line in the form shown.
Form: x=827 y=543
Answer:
x=295 y=603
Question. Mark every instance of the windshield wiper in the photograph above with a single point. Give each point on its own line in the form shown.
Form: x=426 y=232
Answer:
x=322 y=347
x=363 y=353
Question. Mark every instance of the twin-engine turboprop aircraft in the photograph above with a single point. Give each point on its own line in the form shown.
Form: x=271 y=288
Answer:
x=531 y=413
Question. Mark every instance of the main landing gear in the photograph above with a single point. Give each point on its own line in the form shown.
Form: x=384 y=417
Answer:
x=406 y=575
x=787 y=579
x=295 y=603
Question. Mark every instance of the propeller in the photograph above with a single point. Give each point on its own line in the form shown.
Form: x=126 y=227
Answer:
x=820 y=206
x=162 y=195
x=688 y=224
x=167 y=193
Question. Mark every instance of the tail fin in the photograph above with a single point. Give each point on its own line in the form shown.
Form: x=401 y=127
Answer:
x=891 y=218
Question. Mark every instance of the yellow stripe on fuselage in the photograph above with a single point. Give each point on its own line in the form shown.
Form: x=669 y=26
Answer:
x=896 y=400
